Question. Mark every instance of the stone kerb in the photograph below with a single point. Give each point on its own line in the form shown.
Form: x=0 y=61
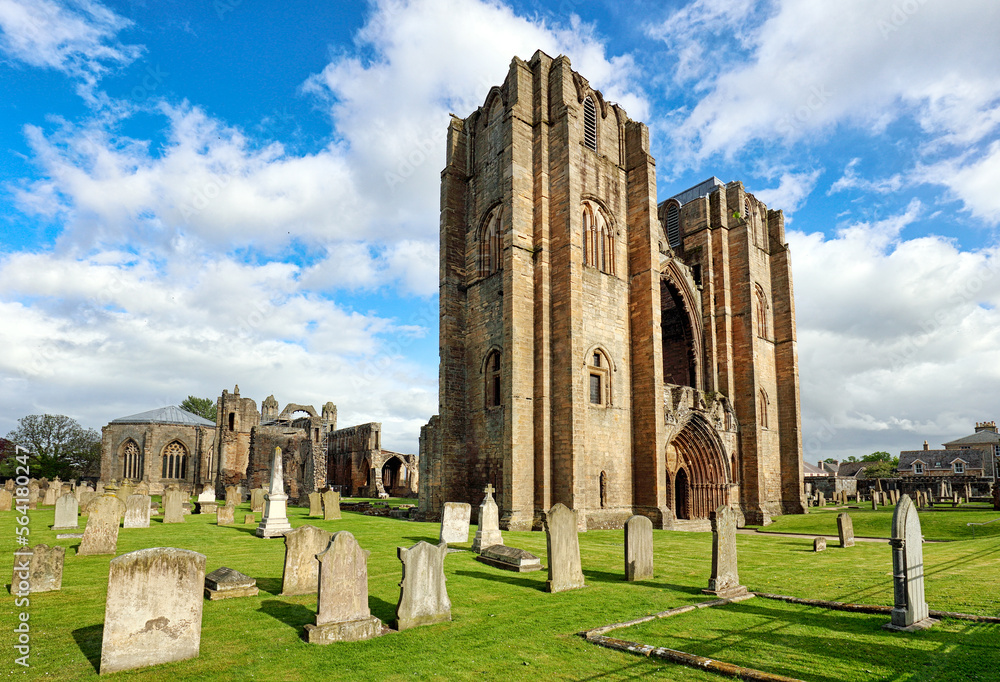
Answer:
x=100 y=536
x=845 y=529
x=455 y=523
x=153 y=609
x=423 y=593
x=638 y=548
x=331 y=506
x=909 y=611
x=563 y=543
x=67 y=513
x=37 y=569
x=137 y=511
x=725 y=580
x=301 y=574
x=342 y=613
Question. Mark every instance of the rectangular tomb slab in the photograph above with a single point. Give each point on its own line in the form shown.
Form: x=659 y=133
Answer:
x=510 y=559
x=225 y=583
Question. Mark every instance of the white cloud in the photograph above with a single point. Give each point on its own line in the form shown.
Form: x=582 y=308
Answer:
x=851 y=180
x=792 y=191
x=972 y=180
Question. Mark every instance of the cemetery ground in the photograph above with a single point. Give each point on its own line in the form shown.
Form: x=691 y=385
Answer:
x=505 y=626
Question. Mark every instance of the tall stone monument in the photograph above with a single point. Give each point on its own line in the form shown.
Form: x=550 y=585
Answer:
x=274 y=523
x=488 y=533
x=638 y=548
x=563 y=542
x=725 y=580
x=909 y=611
x=342 y=613
x=153 y=611
x=423 y=594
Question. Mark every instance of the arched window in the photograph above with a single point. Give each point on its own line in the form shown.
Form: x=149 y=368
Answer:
x=598 y=239
x=495 y=124
x=490 y=243
x=232 y=421
x=673 y=220
x=604 y=489
x=590 y=124
x=760 y=300
x=494 y=395
x=132 y=461
x=599 y=378
x=762 y=408
x=175 y=460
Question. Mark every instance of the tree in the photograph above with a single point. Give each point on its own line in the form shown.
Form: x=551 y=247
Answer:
x=880 y=456
x=852 y=458
x=203 y=407
x=57 y=446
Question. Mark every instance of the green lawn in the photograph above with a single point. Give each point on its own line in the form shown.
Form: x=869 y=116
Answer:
x=936 y=524
x=504 y=625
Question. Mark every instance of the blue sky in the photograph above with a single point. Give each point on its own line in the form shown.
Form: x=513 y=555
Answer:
x=200 y=194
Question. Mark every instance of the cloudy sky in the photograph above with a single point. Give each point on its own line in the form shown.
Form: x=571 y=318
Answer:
x=200 y=194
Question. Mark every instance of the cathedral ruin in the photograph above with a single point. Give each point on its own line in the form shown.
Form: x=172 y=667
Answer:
x=597 y=348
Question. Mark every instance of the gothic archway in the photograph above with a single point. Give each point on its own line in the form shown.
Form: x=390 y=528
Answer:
x=391 y=478
x=680 y=330
x=703 y=479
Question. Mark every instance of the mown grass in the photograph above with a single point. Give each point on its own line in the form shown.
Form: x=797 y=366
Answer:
x=504 y=625
x=936 y=524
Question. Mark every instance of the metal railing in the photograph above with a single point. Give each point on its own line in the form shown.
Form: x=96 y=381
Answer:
x=984 y=523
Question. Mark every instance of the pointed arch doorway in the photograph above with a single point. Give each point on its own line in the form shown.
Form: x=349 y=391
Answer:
x=702 y=480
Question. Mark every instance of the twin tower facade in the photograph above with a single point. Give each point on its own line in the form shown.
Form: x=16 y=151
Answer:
x=597 y=348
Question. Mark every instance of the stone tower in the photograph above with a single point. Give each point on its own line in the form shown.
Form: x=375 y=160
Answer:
x=597 y=349
x=235 y=417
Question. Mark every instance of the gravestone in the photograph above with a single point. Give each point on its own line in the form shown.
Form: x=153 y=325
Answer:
x=510 y=559
x=173 y=506
x=563 y=543
x=455 y=522
x=141 y=489
x=845 y=529
x=225 y=583
x=301 y=574
x=331 y=506
x=153 y=611
x=342 y=613
x=6 y=499
x=87 y=498
x=274 y=522
x=488 y=533
x=32 y=496
x=909 y=611
x=9 y=485
x=124 y=491
x=67 y=513
x=315 y=504
x=207 y=494
x=423 y=594
x=100 y=536
x=232 y=495
x=224 y=515
x=257 y=499
x=249 y=518
x=638 y=549
x=50 y=496
x=821 y=501
x=819 y=544
x=137 y=511
x=206 y=501
x=37 y=569
x=725 y=580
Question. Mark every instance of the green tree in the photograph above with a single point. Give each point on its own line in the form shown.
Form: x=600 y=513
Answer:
x=57 y=446
x=203 y=407
x=852 y=458
x=880 y=456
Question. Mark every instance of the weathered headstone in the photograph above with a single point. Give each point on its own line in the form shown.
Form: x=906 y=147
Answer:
x=225 y=515
x=141 y=489
x=275 y=523
x=819 y=544
x=510 y=559
x=845 y=529
x=331 y=506
x=9 y=485
x=488 y=533
x=301 y=574
x=67 y=513
x=6 y=499
x=822 y=500
x=455 y=522
x=249 y=518
x=874 y=501
x=50 y=496
x=233 y=496
x=342 y=613
x=37 y=569
x=153 y=610
x=315 y=504
x=638 y=548
x=909 y=611
x=563 y=543
x=207 y=493
x=725 y=580
x=124 y=491
x=423 y=595
x=137 y=511
x=100 y=536
x=87 y=499
x=225 y=583
x=173 y=509
x=33 y=495
x=257 y=499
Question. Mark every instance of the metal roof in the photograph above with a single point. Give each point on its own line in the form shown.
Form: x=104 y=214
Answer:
x=165 y=415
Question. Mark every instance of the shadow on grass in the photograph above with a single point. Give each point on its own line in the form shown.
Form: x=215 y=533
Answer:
x=269 y=585
x=687 y=589
x=295 y=616
x=381 y=609
x=633 y=671
x=426 y=538
x=603 y=576
x=89 y=639
x=505 y=577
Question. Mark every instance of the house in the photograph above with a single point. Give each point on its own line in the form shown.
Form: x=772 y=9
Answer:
x=974 y=455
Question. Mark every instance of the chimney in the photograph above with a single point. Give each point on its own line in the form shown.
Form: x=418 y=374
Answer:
x=986 y=426
x=926 y=447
